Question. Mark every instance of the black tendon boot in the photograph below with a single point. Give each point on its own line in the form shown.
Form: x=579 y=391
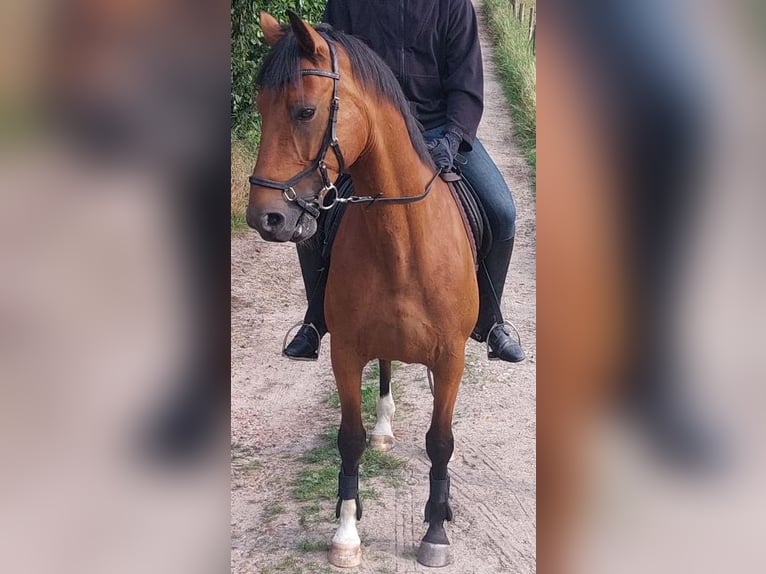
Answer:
x=434 y=549
x=490 y=326
x=305 y=344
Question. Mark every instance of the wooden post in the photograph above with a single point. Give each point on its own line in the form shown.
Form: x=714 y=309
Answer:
x=520 y=15
x=531 y=20
x=513 y=7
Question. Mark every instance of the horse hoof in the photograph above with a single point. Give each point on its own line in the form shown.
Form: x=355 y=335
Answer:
x=382 y=442
x=345 y=555
x=434 y=555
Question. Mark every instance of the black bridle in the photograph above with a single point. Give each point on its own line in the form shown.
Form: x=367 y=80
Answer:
x=318 y=202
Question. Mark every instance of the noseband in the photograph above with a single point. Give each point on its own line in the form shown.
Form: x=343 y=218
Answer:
x=330 y=140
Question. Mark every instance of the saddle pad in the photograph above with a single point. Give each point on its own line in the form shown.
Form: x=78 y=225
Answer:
x=472 y=211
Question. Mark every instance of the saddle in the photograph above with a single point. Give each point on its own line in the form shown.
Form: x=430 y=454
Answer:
x=471 y=211
x=473 y=214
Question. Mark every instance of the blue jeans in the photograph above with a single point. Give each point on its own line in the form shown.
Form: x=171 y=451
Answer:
x=482 y=173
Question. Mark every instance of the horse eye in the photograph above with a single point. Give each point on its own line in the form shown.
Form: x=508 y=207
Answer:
x=306 y=114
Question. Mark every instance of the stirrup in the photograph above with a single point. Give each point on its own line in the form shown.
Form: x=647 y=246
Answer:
x=300 y=324
x=492 y=330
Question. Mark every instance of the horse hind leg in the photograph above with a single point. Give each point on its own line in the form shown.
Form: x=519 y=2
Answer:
x=345 y=549
x=434 y=549
x=382 y=436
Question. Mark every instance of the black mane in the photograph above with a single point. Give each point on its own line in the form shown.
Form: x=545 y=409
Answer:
x=281 y=68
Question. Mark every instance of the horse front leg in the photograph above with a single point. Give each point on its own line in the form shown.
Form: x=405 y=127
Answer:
x=382 y=436
x=434 y=549
x=345 y=549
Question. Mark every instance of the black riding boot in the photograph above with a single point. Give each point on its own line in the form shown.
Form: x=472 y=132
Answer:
x=305 y=344
x=492 y=272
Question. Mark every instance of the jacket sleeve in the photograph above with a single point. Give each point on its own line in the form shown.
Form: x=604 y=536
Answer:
x=463 y=78
x=336 y=15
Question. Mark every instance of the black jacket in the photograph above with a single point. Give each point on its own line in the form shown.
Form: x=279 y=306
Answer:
x=433 y=48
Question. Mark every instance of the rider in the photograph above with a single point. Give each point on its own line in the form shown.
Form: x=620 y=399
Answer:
x=433 y=49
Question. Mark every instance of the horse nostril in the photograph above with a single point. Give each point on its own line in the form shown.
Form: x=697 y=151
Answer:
x=270 y=223
x=273 y=221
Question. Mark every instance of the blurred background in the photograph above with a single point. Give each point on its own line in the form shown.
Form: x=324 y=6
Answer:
x=651 y=140
x=114 y=346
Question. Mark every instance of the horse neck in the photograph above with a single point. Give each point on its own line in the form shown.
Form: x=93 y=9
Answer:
x=390 y=165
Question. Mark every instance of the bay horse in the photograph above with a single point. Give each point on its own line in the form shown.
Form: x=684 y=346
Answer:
x=402 y=282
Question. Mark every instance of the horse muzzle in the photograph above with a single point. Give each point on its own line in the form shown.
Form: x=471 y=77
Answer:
x=281 y=225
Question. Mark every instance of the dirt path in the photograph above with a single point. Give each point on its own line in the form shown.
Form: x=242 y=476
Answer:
x=279 y=408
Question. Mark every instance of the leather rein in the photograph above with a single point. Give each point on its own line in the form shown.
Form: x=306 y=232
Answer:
x=329 y=192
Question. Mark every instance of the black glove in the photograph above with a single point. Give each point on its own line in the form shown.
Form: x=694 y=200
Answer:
x=444 y=149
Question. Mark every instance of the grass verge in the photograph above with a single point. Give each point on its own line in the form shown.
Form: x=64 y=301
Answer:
x=517 y=69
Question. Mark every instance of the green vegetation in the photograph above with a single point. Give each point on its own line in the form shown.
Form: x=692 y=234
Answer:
x=318 y=480
x=517 y=69
x=375 y=463
x=307 y=545
x=311 y=514
x=273 y=509
x=370 y=392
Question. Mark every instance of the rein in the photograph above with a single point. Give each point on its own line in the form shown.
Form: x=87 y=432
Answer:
x=314 y=205
x=380 y=199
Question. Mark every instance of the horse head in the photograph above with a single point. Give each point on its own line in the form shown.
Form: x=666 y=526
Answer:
x=303 y=131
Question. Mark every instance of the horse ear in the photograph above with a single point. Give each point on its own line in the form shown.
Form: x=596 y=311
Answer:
x=272 y=31
x=308 y=39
